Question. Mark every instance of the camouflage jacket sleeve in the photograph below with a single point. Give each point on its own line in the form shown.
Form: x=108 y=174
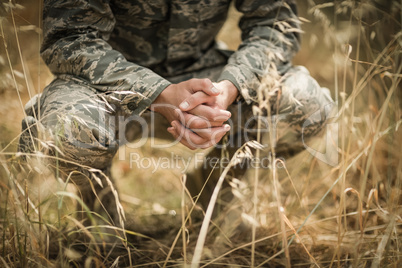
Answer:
x=74 y=46
x=269 y=38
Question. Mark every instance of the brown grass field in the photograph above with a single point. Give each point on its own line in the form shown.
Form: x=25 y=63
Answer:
x=308 y=214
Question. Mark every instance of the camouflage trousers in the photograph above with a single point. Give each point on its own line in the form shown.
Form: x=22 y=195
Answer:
x=82 y=129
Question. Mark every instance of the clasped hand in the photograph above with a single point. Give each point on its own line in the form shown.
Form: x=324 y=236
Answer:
x=196 y=109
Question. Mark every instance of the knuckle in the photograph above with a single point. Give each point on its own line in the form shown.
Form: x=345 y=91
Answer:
x=212 y=114
x=190 y=100
x=208 y=115
x=199 y=140
x=197 y=124
x=191 y=83
x=204 y=136
x=205 y=82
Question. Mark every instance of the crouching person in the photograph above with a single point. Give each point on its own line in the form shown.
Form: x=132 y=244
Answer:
x=114 y=59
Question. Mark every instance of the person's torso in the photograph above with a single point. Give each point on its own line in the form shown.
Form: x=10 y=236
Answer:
x=170 y=37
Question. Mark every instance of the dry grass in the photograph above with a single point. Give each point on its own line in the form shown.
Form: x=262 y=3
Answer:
x=307 y=214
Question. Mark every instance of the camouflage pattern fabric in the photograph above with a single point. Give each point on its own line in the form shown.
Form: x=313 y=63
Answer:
x=111 y=59
x=87 y=130
x=134 y=46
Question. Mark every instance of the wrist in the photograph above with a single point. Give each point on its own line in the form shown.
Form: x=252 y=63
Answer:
x=229 y=91
x=162 y=96
x=161 y=99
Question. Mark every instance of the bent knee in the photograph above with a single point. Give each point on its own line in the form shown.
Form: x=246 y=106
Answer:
x=308 y=106
x=70 y=139
x=83 y=144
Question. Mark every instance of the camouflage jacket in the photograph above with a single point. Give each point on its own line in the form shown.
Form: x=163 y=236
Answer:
x=133 y=46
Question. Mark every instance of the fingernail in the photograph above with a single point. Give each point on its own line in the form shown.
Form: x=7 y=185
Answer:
x=226 y=113
x=215 y=90
x=184 y=105
x=226 y=127
x=170 y=129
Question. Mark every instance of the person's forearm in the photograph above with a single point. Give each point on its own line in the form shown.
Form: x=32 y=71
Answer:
x=266 y=47
x=75 y=48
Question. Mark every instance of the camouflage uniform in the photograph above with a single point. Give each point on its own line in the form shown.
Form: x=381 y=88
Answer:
x=112 y=58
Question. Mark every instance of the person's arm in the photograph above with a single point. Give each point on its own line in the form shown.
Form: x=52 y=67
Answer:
x=75 y=47
x=269 y=36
